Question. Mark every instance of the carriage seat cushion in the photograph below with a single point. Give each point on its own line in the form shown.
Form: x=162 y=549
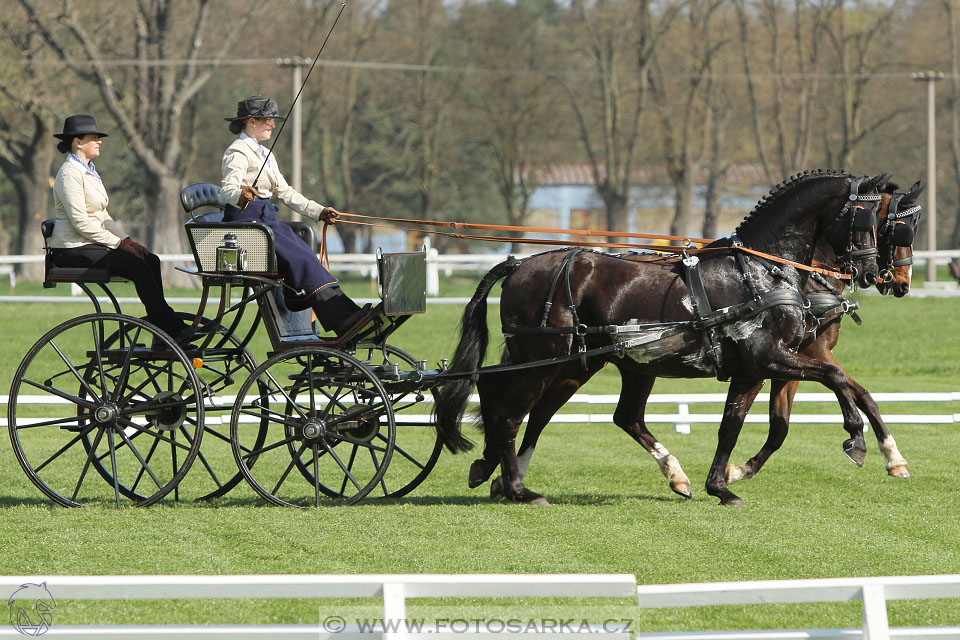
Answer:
x=201 y=194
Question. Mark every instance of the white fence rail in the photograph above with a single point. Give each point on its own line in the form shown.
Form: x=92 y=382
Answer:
x=681 y=420
x=365 y=263
x=394 y=590
x=872 y=592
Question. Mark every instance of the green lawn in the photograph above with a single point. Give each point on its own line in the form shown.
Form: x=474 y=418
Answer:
x=810 y=513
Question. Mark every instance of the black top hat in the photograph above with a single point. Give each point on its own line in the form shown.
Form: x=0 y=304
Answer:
x=78 y=125
x=257 y=107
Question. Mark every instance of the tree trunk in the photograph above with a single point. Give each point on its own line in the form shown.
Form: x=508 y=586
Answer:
x=167 y=218
x=29 y=172
x=683 y=218
x=615 y=202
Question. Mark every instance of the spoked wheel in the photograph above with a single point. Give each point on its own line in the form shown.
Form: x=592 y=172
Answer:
x=329 y=422
x=221 y=368
x=418 y=444
x=105 y=395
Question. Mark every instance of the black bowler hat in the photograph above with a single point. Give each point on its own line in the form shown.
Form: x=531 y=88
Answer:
x=78 y=125
x=257 y=107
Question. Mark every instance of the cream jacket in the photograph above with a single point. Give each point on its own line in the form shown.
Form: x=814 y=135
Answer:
x=80 y=207
x=240 y=166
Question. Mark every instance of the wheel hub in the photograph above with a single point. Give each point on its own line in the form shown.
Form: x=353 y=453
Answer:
x=106 y=413
x=363 y=427
x=314 y=430
x=170 y=413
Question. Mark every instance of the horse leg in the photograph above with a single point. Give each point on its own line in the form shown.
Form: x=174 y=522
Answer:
x=628 y=416
x=554 y=396
x=740 y=398
x=502 y=414
x=782 y=393
x=896 y=463
x=797 y=366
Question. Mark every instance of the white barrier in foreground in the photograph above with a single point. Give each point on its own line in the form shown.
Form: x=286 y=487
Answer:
x=394 y=590
x=873 y=592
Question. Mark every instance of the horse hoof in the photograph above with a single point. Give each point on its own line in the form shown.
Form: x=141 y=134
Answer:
x=735 y=501
x=539 y=501
x=478 y=474
x=681 y=488
x=496 y=489
x=855 y=453
x=899 y=471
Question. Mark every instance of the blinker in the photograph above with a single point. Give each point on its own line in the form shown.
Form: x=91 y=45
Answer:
x=903 y=235
x=864 y=219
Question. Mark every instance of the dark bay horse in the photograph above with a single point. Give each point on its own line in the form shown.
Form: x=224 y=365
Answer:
x=899 y=217
x=608 y=291
x=894 y=244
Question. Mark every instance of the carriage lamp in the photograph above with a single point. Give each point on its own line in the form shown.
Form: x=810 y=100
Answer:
x=230 y=256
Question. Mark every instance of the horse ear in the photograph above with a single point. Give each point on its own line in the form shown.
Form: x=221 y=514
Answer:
x=886 y=184
x=916 y=189
x=874 y=182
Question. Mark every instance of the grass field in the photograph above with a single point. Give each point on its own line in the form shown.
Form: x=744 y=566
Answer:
x=810 y=513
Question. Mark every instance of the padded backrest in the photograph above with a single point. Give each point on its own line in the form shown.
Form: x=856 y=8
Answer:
x=201 y=194
x=46 y=228
x=306 y=232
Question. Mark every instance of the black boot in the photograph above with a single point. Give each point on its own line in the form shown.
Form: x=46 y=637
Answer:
x=333 y=307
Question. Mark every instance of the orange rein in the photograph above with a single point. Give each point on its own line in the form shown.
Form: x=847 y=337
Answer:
x=823 y=270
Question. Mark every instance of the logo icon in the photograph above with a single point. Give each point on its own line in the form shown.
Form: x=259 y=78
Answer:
x=30 y=609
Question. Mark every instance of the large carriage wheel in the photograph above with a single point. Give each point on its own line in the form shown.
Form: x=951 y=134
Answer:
x=418 y=444
x=222 y=367
x=329 y=421
x=80 y=408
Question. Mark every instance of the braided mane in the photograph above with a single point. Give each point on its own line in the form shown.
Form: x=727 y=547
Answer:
x=764 y=205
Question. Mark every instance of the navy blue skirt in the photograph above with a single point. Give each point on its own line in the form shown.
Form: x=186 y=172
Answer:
x=298 y=263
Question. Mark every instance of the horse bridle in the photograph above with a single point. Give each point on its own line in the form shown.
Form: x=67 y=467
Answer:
x=860 y=218
x=898 y=230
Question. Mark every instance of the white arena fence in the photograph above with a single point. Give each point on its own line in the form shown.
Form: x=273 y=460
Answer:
x=681 y=419
x=393 y=591
x=366 y=264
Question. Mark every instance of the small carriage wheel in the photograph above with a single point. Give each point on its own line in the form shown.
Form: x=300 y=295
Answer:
x=327 y=414
x=116 y=408
x=418 y=444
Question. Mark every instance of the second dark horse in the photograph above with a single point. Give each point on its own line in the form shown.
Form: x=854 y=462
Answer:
x=756 y=338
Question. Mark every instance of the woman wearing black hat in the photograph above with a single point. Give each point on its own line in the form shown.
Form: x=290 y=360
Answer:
x=86 y=236
x=256 y=117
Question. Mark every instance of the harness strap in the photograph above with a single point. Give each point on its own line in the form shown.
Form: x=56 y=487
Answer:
x=835 y=302
x=655 y=331
x=563 y=267
x=701 y=309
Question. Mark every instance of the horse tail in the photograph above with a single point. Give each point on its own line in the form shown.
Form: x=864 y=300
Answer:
x=451 y=400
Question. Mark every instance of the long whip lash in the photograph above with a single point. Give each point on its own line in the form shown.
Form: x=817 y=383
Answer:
x=299 y=91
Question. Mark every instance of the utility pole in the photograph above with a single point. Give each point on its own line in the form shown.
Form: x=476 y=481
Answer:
x=930 y=217
x=296 y=121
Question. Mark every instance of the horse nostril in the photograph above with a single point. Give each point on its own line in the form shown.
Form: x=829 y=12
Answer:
x=870 y=278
